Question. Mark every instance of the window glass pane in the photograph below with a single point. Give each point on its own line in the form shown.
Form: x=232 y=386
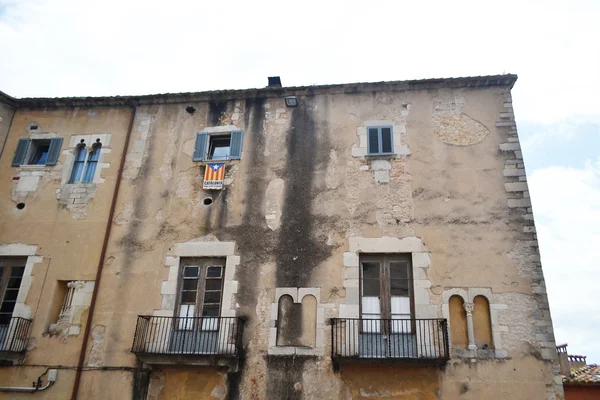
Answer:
x=371 y=306
x=188 y=296
x=370 y=287
x=190 y=272
x=40 y=155
x=14 y=282
x=399 y=287
x=81 y=152
x=11 y=295
x=210 y=311
x=220 y=147
x=212 y=297
x=213 y=272
x=190 y=284
x=7 y=306
x=373 y=140
x=17 y=272
x=213 y=284
x=399 y=270
x=386 y=140
x=370 y=270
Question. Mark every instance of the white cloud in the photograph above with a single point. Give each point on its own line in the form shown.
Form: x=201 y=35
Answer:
x=72 y=47
x=566 y=204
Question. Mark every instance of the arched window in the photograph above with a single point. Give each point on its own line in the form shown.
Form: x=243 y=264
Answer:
x=80 y=156
x=482 y=323
x=92 y=162
x=458 y=323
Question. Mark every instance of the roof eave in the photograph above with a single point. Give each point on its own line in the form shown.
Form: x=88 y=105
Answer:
x=506 y=80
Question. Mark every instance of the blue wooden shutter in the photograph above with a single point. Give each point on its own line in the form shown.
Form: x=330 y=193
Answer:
x=54 y=151
x=373 y=142
x=200 y=146
x=20 y=153
x=235 y=151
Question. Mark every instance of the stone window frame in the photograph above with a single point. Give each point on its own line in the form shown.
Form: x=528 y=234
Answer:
x=468 y=295
x=217 y=131
x=22 y=309
x=79 y=297
x=362 y=150
x=168 y=289
x=421 y=261
x=298 y=294
x=70 y=153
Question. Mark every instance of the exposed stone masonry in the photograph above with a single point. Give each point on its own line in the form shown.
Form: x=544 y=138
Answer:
x=520 y=203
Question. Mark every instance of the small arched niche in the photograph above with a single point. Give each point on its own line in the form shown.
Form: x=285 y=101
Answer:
x=482 y=323
x=289 y=322
x=309 y=321
x=458 y=323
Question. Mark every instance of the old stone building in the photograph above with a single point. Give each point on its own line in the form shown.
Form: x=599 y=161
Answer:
x=371 y=240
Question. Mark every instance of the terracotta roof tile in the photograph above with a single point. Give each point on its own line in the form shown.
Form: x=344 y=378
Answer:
x=583 y=375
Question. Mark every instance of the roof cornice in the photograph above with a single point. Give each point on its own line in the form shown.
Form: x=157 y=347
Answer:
x=507 y=80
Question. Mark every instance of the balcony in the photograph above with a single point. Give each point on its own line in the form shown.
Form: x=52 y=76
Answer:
x=188 y=340
x=14 y=335
x=397 y=341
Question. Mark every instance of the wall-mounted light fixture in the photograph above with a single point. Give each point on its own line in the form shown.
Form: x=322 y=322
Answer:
x=291 y=101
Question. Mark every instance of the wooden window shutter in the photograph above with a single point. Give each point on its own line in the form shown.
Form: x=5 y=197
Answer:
x=200 y=146
x=236 y=145
x=54 y=151
x=20 y=153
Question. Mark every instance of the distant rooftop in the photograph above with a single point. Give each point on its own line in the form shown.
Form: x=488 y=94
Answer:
x=588 y=375
x=507 y=80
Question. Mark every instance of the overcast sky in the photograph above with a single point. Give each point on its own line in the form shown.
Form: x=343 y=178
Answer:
x=85 y=48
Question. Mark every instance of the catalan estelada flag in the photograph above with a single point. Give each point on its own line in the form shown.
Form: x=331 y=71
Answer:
x=214 y=175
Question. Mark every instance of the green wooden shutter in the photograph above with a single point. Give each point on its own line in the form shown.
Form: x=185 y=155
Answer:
x=200 y=146
x=235 y=151
x=54 y=151
x=20 y=153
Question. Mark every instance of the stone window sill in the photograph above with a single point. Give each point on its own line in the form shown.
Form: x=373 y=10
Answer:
x=380 y=156
x=33 y=167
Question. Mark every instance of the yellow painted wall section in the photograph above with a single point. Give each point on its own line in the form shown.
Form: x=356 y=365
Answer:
x=202 y=383
x=482 y=324
x=391 y=382
x=458 y=323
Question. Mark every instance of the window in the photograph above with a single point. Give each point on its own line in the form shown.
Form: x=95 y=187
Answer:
x=37 y=152
x=200 y=291
x=92 y=162
x=11 y=274
x=386 y=291
x=84 y=166
x=380 y=140
x=218 y=146
x=80 y=156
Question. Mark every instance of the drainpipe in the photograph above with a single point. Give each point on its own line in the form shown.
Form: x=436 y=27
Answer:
x=109 y=224
x=52 y=375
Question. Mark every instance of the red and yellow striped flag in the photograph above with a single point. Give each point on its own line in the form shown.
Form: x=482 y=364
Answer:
x=214 y=175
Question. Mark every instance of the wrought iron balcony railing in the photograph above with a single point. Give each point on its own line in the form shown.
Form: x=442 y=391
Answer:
x=210 y=336
x=389 y=340
x=14 y=334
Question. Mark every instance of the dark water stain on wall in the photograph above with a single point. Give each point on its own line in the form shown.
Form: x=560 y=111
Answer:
x=254 y=239
x=284 y=380
x=216 y=109
x=298 y=251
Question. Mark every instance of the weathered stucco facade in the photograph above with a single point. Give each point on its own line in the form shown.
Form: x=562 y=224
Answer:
x=303 y=206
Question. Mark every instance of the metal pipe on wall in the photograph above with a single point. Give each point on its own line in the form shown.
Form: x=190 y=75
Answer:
x=111 y=214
